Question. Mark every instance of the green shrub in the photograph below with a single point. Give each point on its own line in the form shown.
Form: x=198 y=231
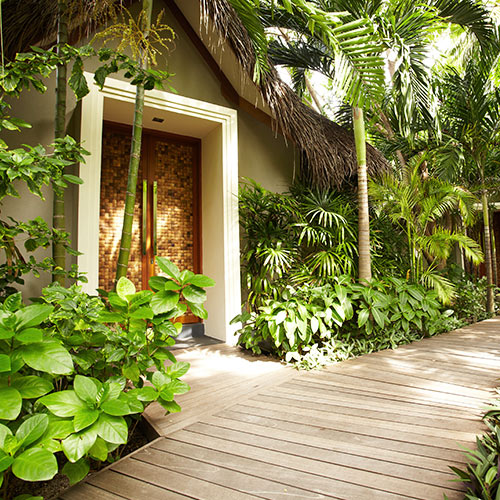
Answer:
x=75 y=371
x=481 y=476
x=470 y=299
x=342 y=319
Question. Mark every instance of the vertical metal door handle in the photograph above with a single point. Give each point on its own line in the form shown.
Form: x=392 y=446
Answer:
x=155 y=217
x=144 y=214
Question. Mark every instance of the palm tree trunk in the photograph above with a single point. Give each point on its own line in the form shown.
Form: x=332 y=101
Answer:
x=58 y=219
x=490 y=306
x=365 y=269
x=135 y=159
x=493 y=251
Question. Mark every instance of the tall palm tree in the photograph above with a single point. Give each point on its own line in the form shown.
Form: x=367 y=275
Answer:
x=405 y=30
x=353 y=47
x=419 y=206
x=471 y=119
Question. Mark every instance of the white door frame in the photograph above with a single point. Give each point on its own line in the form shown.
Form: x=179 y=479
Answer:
x=220 y=235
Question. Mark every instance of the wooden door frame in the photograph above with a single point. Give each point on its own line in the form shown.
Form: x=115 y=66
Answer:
x=146 y=150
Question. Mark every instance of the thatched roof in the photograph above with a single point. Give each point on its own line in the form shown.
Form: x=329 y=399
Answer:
x=31 y=22
x=328 y=149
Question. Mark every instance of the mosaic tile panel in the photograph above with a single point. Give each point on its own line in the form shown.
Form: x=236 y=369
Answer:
x=174 y=173
x=114 y=172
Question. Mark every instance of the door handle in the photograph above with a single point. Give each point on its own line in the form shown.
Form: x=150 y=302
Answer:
x=144 y=214
x=155 y=217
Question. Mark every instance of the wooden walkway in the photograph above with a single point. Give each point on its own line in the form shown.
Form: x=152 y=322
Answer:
x=384 y=426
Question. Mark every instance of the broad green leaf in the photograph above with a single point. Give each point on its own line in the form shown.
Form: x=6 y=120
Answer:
x=111 y=317
x=32 y=315
x=177 y=370
x=157 y=283
x=171 y=285
x=59 y=428
x=99 y=450
x=142 y=313
x=77 y=81
x=178 y=387
x=146 y=393
x=4 y=432
x=6 y=333
x=168 y=267
x=73 y=179
x=10 y=403
x=77 y=445
x=379 y=317
x=84 y=418
x=164 y=301
x=32 y=386
x=166 y=394
x=112 y=390
x=116 y=407
x=63 y=403
x=4 y=363
x=30 y=335
x=85 y=389
x=363 y=316
x=49 y=357
x=76 y=471
x=280 y=317
x=53 y=445
x=159 y=379
x=32 y=429
x=132 y=402
x=198 y=310
x=5 y=461
x=35 y=464
x=112 y=429
x=314 y=324
x=13 y=302
x=125 y=288
x=170 y=406
x=201 y=281
x=194 y=294
x=132 y=372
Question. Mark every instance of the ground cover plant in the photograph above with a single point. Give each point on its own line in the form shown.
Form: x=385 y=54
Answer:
x=76 y=372
x=303 y=302
x=480 y=476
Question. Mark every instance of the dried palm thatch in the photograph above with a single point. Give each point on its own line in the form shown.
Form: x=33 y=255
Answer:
x=34 y=22
x=328 y=148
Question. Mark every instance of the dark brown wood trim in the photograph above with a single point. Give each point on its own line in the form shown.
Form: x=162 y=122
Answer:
x=148 y=169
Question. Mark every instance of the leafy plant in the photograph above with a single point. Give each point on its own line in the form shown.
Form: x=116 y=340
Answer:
x=418 y=204
x=77 y=371
x=481 y=473
x=341 y=317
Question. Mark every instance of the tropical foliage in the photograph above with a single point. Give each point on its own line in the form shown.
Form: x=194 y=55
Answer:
x=77 y=371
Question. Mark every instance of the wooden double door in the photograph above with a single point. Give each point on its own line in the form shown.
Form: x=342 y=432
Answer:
x=167 y=220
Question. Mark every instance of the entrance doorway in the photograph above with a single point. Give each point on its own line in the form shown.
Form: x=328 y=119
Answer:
x=167 y=219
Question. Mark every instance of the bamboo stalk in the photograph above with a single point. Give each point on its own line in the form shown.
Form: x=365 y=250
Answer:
x=135 y=159
x=58 y=215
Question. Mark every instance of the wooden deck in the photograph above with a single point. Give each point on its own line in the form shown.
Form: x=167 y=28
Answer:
x=383 y=426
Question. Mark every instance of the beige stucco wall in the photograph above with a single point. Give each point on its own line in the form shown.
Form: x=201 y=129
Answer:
x=263 y=155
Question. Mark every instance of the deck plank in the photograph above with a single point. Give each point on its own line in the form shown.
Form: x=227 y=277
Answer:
x=384 y=426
